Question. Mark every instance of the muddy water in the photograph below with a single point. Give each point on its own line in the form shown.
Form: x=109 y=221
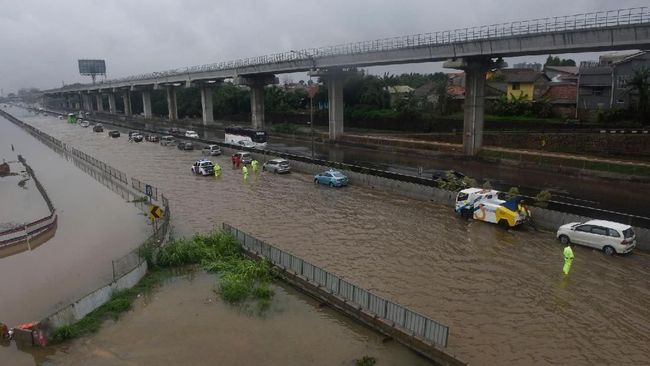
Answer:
x=199 y=329
x=94 y=226
x=19 y=192
x=501 y=293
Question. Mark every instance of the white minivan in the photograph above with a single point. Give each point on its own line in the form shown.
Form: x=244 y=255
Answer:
x=608 y=236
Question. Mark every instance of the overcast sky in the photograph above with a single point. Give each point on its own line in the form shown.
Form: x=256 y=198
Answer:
x=42 y=40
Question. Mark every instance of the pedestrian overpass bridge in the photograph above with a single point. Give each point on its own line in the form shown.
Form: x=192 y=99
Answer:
x=470 y=49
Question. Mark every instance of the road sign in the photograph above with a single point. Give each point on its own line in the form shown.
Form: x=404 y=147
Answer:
x=148 y=190
x=155 y=212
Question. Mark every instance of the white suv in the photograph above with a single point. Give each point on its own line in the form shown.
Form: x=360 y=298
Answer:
x=610 y=237
x=190 y=133
x=203 y=167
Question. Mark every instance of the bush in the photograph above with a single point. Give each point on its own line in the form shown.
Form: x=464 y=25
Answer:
x=542 y=198
x=366 y=361
x=512 y=193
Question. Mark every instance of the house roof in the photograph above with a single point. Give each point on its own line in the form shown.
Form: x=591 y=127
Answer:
x=569 y=70
x=399 y=89
x=522 y=75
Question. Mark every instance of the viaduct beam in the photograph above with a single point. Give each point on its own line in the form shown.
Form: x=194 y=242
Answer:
x=257 y=83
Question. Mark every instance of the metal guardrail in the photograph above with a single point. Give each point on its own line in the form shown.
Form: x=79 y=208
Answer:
x=602 y=19
x=391 y=312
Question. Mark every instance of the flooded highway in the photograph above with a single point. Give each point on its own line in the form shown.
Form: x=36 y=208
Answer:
x=501 y=293
x=95 y=226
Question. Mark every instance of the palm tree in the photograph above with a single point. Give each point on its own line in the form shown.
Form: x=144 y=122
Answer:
x=641 y=82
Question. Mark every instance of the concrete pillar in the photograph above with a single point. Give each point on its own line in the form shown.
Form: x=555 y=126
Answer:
x=100 y=102
x=335 y=111
x=474 y=107
x=111 y=103
x=257 y=84
x=257 y=106
x=206 y=104
x=126 y=98
x=172 y=108
x=146 y=103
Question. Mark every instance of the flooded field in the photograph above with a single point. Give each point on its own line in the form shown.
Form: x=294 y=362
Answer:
x=95 y=226
x=501 y=293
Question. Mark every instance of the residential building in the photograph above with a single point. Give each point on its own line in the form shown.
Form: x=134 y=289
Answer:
x=398 y=92
x=527 y=84
x=603 y=83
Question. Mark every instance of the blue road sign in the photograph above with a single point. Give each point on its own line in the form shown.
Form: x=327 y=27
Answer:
x=148 y=190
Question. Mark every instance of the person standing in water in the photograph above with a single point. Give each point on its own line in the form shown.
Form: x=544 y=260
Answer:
x=568 y=259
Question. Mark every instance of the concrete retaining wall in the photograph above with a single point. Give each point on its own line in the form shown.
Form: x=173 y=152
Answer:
x=82 y=307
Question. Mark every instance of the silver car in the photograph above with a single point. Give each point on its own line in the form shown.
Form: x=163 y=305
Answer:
x=167 y=141
x=211 y=150
x=277 y=166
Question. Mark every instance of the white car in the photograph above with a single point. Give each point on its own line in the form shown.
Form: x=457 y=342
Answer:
x=211 y=150
x=610 y=237
x=246 y=143
x=190 y=133
x=277 y=166
x=203 y=167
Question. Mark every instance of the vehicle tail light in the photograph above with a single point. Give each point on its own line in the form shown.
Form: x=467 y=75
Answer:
x=626 y=242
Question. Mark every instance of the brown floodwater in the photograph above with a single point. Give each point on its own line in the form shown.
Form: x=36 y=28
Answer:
x=185 y=322
x=95 y=226
x=501 y=293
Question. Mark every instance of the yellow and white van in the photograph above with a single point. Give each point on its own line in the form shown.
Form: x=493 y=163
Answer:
x=485 y=205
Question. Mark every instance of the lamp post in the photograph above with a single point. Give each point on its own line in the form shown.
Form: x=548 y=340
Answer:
x=311 y=91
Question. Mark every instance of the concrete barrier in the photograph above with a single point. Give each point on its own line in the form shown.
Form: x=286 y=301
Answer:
x=82 y=307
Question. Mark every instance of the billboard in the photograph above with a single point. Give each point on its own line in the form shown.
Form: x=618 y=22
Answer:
x=92 y=67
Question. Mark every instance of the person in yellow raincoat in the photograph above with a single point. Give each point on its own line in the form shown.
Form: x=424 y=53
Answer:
x=568 y=259
x=217 y=170
x=254 y=164
x=244 y=171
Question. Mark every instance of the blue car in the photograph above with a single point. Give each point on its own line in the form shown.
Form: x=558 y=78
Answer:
x=333 y=178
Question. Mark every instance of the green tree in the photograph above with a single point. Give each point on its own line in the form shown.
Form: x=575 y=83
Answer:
x=556 y=61
x=640 y=82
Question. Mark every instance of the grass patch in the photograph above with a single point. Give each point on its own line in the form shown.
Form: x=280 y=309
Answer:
x=241 y=278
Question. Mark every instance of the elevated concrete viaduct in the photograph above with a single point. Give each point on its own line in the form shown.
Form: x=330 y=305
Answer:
x=476 y=48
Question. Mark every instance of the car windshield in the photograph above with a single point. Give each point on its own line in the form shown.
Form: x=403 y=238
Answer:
x=628 y=233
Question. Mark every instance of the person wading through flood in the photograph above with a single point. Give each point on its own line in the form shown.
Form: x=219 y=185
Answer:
x=237 y=161
x=568 y=259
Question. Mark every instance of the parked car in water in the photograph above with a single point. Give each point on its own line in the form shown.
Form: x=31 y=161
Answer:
x=244 y=157
x=167 y=141
x=277 y=166
x=60 y=117
x=164 y=131
x=175 y=131
x=114 y=133
x=203 y=167
x=152 y=138
x=608 y=236
x=211 y=150
x=137 y=137
x=98 y=128
x=192 y=134
x=246 y=143
x=332 y=178
x=185 y=146
x=84 y=124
